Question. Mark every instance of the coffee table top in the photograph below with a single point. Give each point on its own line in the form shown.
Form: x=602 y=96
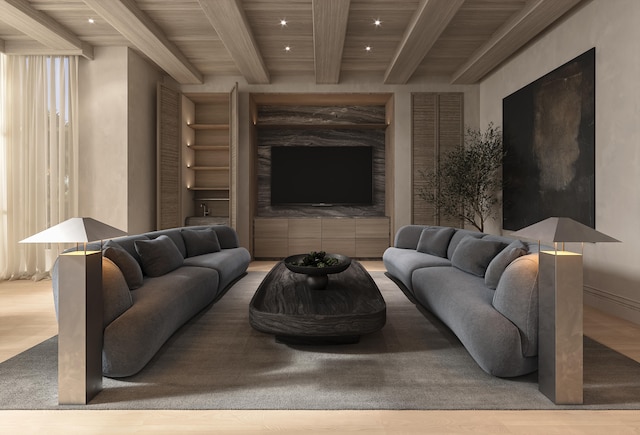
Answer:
x=350 y=305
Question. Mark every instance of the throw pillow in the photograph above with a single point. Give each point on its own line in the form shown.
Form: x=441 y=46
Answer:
x=128 y=265
x=474 y=255
x=435 y=240
x=159 y=256
x=200 y=242
x=116 y=297
x=500 y=262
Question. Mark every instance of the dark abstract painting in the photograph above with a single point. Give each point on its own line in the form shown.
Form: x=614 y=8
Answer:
x=549 y=140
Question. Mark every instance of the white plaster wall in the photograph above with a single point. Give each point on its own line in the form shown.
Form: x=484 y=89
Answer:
x=359 y=84
x=612 y=275
x=103 y=136
x=141 y=127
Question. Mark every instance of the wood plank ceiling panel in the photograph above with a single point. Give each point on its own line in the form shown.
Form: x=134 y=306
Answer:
x=188 y=28
x=264 y=18
x=382 y=39
x=474 y=24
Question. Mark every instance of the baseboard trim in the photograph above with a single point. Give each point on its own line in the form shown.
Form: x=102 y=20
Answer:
x=613 y=304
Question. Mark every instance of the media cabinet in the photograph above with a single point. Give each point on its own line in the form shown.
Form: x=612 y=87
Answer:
x=359 y=237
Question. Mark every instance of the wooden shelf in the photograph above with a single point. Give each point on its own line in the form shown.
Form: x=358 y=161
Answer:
x=208 y=147
x=220 y=127
x=208 y=188
x=209 y=168
x=211 y=199
x=323 y=126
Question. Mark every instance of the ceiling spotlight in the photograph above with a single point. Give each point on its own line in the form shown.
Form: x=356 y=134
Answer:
x=377 y=22
x=91 y=20
x=283 y=22
x=287 y=48
x=368 y=48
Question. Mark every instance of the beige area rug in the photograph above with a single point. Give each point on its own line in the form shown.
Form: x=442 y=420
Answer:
x=217 y=361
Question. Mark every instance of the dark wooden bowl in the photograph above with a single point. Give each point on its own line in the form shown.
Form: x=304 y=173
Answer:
x=343 y=264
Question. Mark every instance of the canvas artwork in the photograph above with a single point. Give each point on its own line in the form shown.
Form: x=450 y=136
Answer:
x=549 y=140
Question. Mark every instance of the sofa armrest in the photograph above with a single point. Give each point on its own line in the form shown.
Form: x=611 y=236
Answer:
x=407 y=236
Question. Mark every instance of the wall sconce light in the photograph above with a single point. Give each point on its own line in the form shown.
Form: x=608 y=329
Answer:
x=79 y=307
x=560 y=309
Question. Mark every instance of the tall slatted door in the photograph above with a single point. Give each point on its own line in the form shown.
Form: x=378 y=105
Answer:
x=425 y=154
x=233 y=156
x=168 y=159
x=437 y=127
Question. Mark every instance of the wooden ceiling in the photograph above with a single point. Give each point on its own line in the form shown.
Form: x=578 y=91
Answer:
x=462 y=40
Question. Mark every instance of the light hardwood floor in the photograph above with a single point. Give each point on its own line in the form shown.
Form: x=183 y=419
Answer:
x=27 y=317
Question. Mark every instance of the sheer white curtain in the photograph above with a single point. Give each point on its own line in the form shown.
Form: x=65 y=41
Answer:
x=38 y=157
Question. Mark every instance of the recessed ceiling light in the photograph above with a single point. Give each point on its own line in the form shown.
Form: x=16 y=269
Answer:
x=368 y=48
x=283 y=22
x=287 y=48
x=377 y=22
x=91 y=20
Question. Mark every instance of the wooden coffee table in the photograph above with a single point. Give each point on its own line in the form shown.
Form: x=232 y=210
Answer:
x=349 y=307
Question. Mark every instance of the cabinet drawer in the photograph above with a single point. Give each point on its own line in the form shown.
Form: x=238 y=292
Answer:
x=271 y=228
x=270 y=248
x=338 y=228
x=373 y=228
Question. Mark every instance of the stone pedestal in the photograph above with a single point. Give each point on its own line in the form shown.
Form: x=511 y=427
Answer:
x=560 y=342
x=79 y=327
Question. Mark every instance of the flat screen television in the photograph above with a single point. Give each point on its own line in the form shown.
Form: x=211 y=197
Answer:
x=321 y=175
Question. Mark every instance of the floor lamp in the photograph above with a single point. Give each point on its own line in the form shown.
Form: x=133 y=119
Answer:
x=560 y=290
x=79 y=307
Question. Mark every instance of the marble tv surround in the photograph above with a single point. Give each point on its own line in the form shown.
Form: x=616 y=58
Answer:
x=282 y=127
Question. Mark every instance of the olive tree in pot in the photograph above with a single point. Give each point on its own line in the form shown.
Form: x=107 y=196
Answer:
x=469 y=179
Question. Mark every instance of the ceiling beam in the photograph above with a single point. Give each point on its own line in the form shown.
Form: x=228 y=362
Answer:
x=142 y=32
x=329 y=31
x=20 y=15
x=230 y=23
x=536 y=16
x=427 y=24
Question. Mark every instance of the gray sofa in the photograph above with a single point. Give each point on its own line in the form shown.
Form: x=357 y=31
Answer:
x=483 y=287
x=155 y=282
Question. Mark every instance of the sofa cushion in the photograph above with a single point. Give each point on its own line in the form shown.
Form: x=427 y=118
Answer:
x=174 y=234
x=500 y=262
x=128 y=265
x=198 y=242
x=159 y=256
x=473 y=255
x=401 y=263
x=230 y=263
x=435 y=240
x=457 y=238
x=116 y=296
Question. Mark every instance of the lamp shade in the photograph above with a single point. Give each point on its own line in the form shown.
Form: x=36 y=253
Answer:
x=562 y=229
x=76 y=230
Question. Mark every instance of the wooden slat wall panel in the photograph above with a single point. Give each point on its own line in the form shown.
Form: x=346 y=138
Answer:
x=169 y=170
x=437 y=128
